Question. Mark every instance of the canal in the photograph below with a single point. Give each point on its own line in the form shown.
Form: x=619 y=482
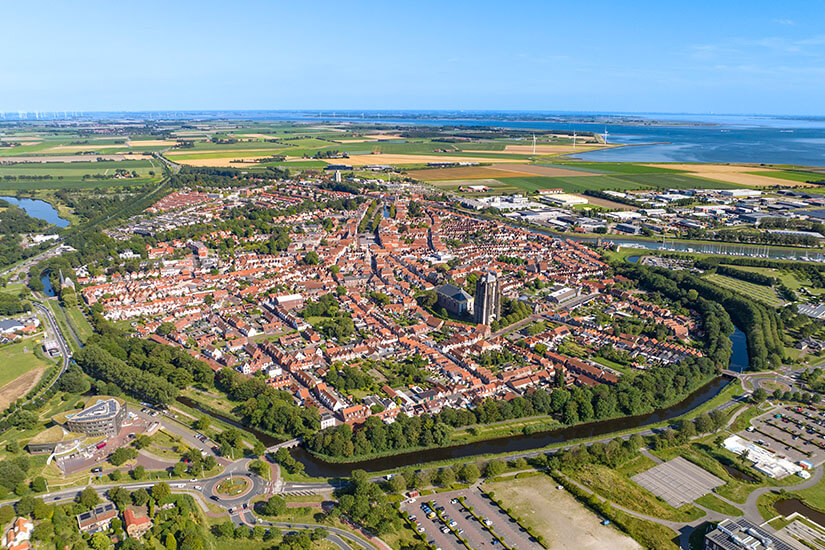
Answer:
x=318 y=467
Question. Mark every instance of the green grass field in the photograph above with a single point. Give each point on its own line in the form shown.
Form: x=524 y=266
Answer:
x=764 y=294
x=70 y=174
x=17 y=359
x=790 y=175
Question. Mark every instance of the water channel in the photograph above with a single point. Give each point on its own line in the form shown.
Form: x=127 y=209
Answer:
x=318 y=467
x=789 y=506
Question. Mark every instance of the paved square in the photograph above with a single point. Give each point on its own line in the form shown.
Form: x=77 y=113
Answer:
x=677 y=481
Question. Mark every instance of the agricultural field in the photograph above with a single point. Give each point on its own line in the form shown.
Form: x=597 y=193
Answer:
x=765 y=294
x=70 y=174
x=799 y=176
x=729 y=173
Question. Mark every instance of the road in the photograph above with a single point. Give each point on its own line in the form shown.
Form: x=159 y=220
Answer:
x=61 y=344
x=26 y=264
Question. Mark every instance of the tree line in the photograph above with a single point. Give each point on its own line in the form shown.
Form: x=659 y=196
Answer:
x=762 y=326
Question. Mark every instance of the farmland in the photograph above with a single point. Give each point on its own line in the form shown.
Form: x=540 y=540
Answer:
x=764 y=294
x=70 y=174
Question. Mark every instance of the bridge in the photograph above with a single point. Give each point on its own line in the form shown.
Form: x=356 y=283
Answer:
x=284 y=445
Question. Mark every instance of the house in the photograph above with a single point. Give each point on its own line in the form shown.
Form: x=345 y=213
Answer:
x=98 y=519
x=17 y=537
x=136 y=526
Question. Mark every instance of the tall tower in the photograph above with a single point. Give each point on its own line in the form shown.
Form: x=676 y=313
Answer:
x=487 y=299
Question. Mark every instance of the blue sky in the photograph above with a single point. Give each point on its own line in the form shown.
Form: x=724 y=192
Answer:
x=722 y=57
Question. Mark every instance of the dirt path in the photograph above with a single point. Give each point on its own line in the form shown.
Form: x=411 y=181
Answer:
x=563 y=521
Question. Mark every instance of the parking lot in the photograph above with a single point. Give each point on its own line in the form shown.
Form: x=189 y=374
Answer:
x=89 y=456
x=678 y=481
x=796 y=433
x=451 y=516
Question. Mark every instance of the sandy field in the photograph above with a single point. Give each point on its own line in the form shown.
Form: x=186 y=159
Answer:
x=221 y=162
x=383 y=136
x=555 y=514
x=89 y=147
x=381 y=158
x=19 y=387
x=18 y=138
x=604 y=202
x=227 y=152
x=151 y=143
x=257 y=136
x=736 y=174
x=456 y=183
x=462 y=173
x=74 y=158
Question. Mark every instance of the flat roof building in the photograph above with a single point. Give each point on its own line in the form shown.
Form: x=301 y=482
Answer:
x=741 y=534
x=105 y=417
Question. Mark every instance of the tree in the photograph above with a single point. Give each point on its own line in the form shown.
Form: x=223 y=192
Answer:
x=25 y=506
x=312 y=258
x=759 y=395
x=259 y=449
x=139 y=472
x=140 y=497
x=6 y=514
x=120 y=496
x=398 y=484
x=446 y=477
x=170 y=542
x=494 y=468
x=421 y=479
x=225 y=529
x=121 y=455
x=39 y=485
x=275 y=506
x=203 y=423
x=165 y=328
x=160 y=491
x=470 y=473
x=89 y=498
x=100 y=541
x=42 y=510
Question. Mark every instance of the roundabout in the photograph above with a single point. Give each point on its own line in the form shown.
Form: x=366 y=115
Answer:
x=232 y=487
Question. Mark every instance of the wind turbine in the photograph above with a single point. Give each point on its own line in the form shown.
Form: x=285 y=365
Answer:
x=574 y=140
x=605 y=135
x=534 y=144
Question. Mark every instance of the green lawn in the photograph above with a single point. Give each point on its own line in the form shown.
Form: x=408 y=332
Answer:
x=17 y=359
x=715 y=503
x=81 y=325
x=619 y=489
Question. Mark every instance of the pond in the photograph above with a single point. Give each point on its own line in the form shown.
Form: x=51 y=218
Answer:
x=38 y=209
x=48 y=289
x=788 y=506
x=736 y=473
